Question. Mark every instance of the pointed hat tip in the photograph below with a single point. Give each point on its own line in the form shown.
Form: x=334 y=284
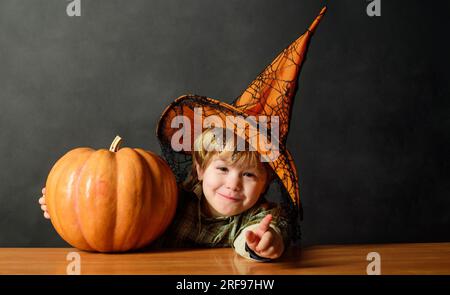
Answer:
x=313 y=26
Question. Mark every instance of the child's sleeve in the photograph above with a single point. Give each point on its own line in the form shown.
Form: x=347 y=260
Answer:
x=279 y=225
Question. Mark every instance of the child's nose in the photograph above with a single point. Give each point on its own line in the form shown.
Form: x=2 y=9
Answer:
x=233 y=182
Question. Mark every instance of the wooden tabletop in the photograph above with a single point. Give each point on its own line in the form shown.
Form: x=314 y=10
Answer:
x=422 y=258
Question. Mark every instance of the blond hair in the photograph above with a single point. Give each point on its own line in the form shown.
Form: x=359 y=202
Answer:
x=209 y=144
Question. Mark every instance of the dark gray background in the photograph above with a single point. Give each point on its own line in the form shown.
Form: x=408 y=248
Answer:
x=370 y=126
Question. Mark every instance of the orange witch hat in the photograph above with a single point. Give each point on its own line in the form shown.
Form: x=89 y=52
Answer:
x=270 y=95
x=273 y=91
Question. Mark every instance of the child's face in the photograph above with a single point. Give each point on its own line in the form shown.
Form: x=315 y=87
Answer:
x=231 y=190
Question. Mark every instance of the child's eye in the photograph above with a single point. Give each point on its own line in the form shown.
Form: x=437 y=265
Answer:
x=223 y=169
x=248 y=174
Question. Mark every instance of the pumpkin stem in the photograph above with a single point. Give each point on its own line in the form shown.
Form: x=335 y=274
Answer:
x=115 y=144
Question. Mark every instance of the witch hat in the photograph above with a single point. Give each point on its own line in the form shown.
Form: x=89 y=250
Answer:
x=269 y=96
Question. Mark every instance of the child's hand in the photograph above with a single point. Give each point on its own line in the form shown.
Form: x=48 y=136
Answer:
x=43 y=205
x=265 y=241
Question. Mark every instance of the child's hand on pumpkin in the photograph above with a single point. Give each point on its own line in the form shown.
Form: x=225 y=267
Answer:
x=264 y=241
x=43 y=205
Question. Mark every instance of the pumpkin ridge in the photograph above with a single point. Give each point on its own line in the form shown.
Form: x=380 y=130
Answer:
x=169 y=188
x=77 y=208
x=103 y=160
x=148 y=158
x=128 y=235
x=82 y=157
x=54 y=184
x=66 y=163
x=148 y=188
x=154 y=158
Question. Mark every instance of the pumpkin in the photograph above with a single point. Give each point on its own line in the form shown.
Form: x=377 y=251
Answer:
x=111 y=200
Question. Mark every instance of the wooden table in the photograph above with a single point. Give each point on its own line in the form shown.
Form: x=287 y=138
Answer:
x=422 y=258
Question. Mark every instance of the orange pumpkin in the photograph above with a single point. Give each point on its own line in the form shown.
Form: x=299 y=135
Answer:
x=111 y=201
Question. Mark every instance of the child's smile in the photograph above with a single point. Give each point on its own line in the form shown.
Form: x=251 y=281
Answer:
x=230 y=197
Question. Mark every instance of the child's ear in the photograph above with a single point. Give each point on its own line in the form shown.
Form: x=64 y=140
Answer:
x=199 y=172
